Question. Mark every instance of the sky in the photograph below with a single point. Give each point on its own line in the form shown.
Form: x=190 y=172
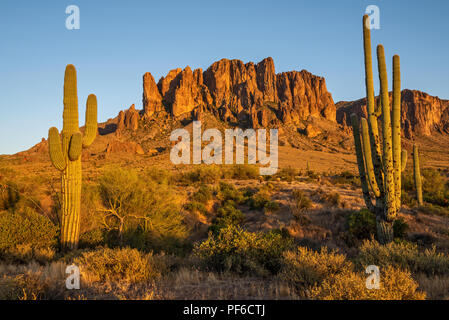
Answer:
x=118 y=41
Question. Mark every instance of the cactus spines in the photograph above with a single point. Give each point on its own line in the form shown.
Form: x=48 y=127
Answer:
x=372 y=112
x=368 y=157
x=396 y=130
x=380 y=166
x=417 y=175
x=361 y=162
x=390 y=194
x=66 y=156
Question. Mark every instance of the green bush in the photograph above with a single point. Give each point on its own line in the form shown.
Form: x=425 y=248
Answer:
x=243 y=252
x=287 y=174
x=92 y=239
x=203 y=174
x=361 y=224
x=140 y=211
x=346 y=177
x=405 y=256
x=435 y=188
x=242 y=172
x=203 y=195
x=195 y=206
x=400 y=228
x=26 y=228
x=301 y=202
x=227 y=192
x=123 y=264
x=226 y=215
x=305 y=267
x=396 y=284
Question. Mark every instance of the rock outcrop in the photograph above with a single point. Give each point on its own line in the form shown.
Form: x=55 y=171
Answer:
x=152 y=99
x=235 y=91
x=422 y=113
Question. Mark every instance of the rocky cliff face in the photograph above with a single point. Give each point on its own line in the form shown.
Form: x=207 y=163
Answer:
x=422 y=113
x=235 y=91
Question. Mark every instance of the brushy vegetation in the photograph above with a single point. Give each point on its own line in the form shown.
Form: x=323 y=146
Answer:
x=243 y=252
x=435 y=189
x=140 y=211
x=27 y=228
x=405 y=256
x=128 y=214
x=122 y=264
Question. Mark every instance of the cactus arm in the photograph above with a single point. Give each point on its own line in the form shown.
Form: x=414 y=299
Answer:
x=91 y=121
x=55 y=149
x=75 y=146
x=70 y=114
x=403 y=160
x=389 y=183
x=396 y=128
x=372 y=117
x=360 y=162
x=368 y=162
x=417 y=175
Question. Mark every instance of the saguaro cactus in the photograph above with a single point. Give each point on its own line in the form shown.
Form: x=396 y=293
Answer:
x=417 y=175
x=66 y=156
x=380 y=167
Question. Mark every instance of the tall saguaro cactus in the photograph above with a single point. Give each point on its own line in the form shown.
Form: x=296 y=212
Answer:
x=66 y=156
x=380 y=167
x=417 y=175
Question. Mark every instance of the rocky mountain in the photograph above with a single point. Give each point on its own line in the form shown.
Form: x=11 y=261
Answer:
x=237 y=92
x=252 y=95
x=422 y=113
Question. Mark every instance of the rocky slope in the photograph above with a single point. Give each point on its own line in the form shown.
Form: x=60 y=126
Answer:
x=422 y=114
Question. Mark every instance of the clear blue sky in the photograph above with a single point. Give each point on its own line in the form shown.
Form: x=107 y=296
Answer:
x=121 y=40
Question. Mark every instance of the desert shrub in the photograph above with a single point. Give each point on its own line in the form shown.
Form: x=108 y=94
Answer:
x=361 y=224
x=120 y=264
x=400 y=228
x=227 y=215
x=140 y=211
x=287 y=174
x=346 y=177
x=203 y=195
x=312 y=175
x=234 y=249
x=305 y=267
x=227 y=192
x=395 y=284
x=30 y=286
x=271 y=206
x=262 y=200
x=92 y=238
x=159 y=175
x=242 y=172
x=435 y=188
x=331 y=198
x=301 y=201
x=405 y=256
x=195 y=206
x=9 y=196
x=203 y=174
x=26 y=228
